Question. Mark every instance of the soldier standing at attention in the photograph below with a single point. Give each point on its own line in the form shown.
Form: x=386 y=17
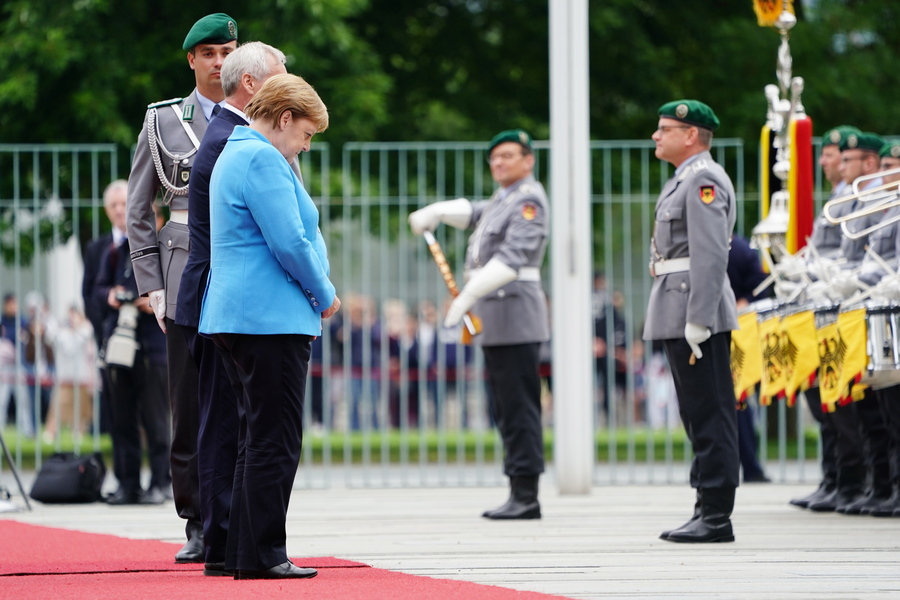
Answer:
x=692 y=310
x=165 y=152
x=503 y=287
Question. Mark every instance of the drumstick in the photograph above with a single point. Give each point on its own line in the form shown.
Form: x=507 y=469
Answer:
x=472 y=323
x=692 y=360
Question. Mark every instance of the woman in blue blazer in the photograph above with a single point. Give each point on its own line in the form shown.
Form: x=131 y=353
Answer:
x=267 y=294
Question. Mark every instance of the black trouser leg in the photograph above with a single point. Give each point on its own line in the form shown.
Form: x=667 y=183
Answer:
x=514 y=375
x=185 y=424
x=707 y=406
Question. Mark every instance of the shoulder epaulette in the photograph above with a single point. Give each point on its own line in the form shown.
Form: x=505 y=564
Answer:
x=165 y=102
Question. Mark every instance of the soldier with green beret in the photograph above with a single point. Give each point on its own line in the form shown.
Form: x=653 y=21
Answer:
x=503 y=288
x=840 y=440
x=161 y=172
x=859 y=159
x=692 y=310
x=826 y=236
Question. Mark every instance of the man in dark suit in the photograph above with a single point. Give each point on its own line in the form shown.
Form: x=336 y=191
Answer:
x=92 y=258
x=243 y=73
x=162 y=165
x=692 y=310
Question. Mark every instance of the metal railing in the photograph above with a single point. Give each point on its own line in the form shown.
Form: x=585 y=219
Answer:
x=382 y=401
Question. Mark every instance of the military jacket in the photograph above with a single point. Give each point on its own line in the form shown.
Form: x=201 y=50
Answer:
x=854 y=250
x=513 y=226
x=826 y=237
x=883 y=242
x=695 y=217
x=165 y=152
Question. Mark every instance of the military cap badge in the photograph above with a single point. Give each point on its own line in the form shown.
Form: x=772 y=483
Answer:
x=681 y=111
x=852 y=141
x=835 y=136
x=895 y=151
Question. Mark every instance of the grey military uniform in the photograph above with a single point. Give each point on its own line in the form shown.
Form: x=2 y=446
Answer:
x=161 y=167
x=826 y=237
x=883 y=242
x=513 y=226
x=855 y=250
x=695 y=217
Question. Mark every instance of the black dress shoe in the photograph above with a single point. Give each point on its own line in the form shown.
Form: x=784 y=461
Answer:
x=216 y=569
x=761 y=478
x=286 y=570
x=193 y=551
x=153 y=496
x=703 y=531
x=515 y=510
x=122 y=497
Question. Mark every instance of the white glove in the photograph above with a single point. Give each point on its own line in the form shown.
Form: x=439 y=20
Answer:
x=456 y=213
x=158 y=304
x=695 y=334
x=492 y=276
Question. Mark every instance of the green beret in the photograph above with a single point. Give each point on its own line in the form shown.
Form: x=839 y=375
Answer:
x=692 y=112
x=890 y=150
x=519 y=136
x=838 y=135
x=863 y=141
x=217 y=28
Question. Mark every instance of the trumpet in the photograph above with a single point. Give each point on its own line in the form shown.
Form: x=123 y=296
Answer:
x=879 y=198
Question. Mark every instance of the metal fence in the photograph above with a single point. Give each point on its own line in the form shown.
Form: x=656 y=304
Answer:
x=393 y=397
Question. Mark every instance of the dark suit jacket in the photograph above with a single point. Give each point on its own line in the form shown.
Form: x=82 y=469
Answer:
x=196 y=271
x=93 y=256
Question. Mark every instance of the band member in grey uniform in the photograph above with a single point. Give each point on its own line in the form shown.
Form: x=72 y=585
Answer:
x=826 y=238
x=165 y=151
x=692 y=310
x=503 y=288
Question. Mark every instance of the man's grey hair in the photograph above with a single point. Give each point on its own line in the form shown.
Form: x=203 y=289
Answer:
x=115 y=185
x=252 y=58
x=705 y=136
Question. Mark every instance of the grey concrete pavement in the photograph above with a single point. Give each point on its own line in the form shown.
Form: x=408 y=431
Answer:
x=602 y=545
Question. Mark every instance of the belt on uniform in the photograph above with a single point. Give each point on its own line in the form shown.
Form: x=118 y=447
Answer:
x=178 y=216
x=525 y=274
x=670 y=265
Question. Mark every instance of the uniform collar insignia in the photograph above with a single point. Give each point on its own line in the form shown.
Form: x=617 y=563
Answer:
x=187 y=113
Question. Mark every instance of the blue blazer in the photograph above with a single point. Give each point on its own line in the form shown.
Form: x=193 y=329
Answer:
x=196 y=271
x=269 y=267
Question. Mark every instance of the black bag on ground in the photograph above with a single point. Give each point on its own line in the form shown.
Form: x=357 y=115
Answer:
x=66 y=478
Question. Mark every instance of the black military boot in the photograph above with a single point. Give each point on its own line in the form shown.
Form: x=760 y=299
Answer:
x=714 y=524
x=665 y=534
x=880 y=489
x=826 y=488
x=523 y=501
x=888 y=506
x=850 y=488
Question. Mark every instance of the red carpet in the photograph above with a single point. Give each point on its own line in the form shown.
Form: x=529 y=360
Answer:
x=43 y=562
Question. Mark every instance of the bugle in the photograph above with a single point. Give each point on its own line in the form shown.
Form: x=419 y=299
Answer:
x=877 y=197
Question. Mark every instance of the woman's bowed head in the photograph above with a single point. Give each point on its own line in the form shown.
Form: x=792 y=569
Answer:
x=288 y=112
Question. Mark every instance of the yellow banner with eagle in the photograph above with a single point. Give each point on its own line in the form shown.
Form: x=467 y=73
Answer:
x=772 y=382
x=799 y=345
x=746 y=359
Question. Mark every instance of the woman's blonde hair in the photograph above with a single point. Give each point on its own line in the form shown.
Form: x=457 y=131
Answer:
x=287 y=92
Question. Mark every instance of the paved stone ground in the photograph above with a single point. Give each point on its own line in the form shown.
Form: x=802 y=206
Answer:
x=601 y=545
